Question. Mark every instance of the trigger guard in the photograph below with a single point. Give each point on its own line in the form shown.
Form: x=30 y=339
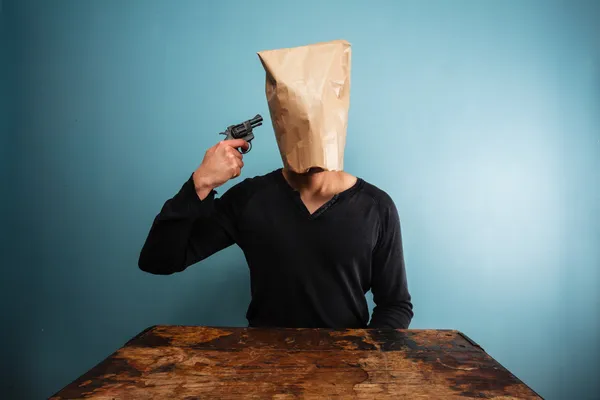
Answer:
x=249 y=148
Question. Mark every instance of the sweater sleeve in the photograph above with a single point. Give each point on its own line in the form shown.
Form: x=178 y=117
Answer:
x=393 y=306
x=188 y=230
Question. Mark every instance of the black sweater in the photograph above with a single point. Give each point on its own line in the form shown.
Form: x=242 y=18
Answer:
x=306 y=270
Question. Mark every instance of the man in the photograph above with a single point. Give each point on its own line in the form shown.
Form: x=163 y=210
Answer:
x=316 y=238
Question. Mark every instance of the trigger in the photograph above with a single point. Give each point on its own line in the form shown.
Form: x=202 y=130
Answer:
x=249 y=148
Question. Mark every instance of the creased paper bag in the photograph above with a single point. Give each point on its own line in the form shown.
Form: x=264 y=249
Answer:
x=308 y=93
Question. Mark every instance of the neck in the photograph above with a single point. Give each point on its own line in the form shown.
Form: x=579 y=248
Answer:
x=314 y=182
x=318 y=183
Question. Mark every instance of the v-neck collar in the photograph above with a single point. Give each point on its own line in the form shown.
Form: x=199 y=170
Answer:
x=295 y=195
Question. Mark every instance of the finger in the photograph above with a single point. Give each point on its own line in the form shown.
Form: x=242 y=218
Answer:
x=233 y=153
x=236 y=172
x=235 y=143
x=239 y=163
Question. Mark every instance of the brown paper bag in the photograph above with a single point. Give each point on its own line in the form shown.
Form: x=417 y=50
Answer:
x=308 y=92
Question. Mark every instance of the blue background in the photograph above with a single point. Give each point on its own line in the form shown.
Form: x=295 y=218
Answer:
x=481 y=119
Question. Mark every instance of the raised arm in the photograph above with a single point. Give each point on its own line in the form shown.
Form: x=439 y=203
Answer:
x=193 y=224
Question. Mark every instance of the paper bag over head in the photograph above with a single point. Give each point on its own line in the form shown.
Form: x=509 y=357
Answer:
x=308 y=92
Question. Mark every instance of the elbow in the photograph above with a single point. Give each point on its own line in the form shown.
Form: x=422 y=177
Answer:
x=393 y=315
x=156 y=259
x=155 y=266
x=405 y=310
x=146 y=266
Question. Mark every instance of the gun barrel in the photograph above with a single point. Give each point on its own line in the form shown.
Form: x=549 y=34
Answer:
x=256 y=121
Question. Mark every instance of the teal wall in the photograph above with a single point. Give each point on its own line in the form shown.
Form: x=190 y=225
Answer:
x=6 y=136
x=481 y=119
x=5 y=126
x=7 y=197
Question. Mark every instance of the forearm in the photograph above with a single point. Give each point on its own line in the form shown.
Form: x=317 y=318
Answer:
x=182 y=233
x=396 y=315
x=389 y=284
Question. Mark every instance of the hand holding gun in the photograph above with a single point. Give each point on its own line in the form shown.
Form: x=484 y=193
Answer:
x=223 y=161
x=243 y=131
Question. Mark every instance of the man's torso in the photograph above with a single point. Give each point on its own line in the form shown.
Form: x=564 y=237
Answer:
x=308 y=270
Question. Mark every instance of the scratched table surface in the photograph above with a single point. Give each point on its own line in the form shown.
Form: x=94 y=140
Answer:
x=186 y=362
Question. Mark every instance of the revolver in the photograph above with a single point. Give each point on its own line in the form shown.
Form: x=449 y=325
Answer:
x=243 y=131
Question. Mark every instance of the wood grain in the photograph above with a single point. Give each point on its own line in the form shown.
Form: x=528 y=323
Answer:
x=184 y=362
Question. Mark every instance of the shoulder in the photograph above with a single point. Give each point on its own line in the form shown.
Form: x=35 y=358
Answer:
x=248 y=187
x=380 y=198
x=384 y=205
x=259 y=182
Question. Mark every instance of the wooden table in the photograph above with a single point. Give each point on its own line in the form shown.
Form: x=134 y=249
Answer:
x=185 y=362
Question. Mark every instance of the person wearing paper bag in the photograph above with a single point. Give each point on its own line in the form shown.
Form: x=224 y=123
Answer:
x=316 y=238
